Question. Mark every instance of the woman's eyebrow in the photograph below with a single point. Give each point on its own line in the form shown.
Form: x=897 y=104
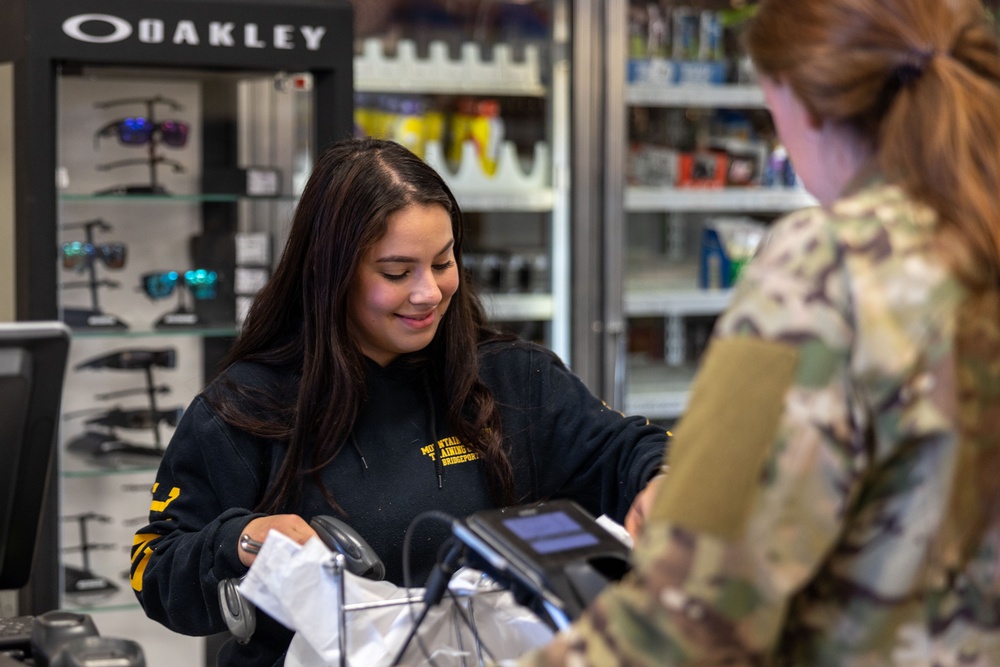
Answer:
x=403 y=259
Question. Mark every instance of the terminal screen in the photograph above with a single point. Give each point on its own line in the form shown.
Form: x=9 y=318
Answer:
x=550 y=532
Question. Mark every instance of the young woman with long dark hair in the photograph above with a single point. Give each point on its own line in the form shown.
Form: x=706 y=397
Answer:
x=367 y=384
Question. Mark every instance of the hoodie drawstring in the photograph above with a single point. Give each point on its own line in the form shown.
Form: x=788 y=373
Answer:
x=357 y=448
x=438 y=464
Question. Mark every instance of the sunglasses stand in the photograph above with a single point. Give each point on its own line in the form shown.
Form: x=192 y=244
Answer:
x=81 y=583
x=94 y=318
x=107 y=449
x=181 y=317
x=153 y=158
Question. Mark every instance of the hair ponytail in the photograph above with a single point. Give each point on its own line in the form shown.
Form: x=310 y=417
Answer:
x=940 y=140
x=919 y=80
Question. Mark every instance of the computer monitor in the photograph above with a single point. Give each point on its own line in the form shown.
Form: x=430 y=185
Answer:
x=32 y=369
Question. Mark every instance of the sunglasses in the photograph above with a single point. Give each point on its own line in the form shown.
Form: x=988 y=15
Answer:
x=137 y=418
x=199 y=281
x=136 y=131
x=78 y=255
x=158 y=389
x=107 y=447
x=132 y=359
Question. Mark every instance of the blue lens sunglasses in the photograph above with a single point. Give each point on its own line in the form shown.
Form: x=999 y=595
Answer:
x=136 y=131
x=161 y=284
x=79 y=255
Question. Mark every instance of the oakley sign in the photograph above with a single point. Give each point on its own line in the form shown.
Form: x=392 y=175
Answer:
x=108 y=29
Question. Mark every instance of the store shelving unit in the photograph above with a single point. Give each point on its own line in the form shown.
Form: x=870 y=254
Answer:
x=236 y=119
x=749 y=200
x=663 y=288
x=131 y=160
x=530 y=183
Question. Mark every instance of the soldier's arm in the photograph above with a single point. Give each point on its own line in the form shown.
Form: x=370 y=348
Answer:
x=758 y=479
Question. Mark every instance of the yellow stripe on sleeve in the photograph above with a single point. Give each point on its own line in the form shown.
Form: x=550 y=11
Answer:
x=142 y=551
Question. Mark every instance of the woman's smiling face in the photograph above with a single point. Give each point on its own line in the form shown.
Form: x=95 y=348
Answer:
x=404 y=284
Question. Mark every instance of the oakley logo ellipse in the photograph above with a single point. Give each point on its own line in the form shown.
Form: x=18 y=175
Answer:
x=108 y=29
x=120 y=28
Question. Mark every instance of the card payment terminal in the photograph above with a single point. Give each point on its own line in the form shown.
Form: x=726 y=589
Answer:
x=554 y=555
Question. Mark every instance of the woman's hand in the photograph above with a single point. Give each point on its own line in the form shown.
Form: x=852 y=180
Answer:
x=636 y=517
x=290 y=525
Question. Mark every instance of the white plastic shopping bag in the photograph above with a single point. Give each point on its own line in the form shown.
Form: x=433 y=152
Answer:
x=297 y=586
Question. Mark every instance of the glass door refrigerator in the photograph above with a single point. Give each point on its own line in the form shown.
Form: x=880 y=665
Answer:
x=694 y=175
x=481 y=91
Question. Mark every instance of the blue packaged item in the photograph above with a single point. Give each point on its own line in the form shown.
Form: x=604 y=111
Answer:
x=779 y=172
x=713 y=265
x=727 y=244
x=654 y=71
x=701 y=72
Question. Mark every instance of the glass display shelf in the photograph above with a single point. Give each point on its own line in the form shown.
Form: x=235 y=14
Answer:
x=173 y=199
x=202 y=332
x=501 y=307
x=542 y=199
x=102 y=610
x=82 y=471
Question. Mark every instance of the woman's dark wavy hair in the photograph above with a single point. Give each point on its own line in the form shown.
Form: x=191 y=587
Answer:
x=299 y=323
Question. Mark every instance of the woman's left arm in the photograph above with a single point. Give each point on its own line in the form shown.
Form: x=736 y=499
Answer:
x=582 y=448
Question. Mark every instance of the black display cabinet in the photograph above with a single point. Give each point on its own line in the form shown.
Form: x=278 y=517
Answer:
x=129 y=116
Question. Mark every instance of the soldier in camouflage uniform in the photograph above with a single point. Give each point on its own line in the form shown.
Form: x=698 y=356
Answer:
x=832 y=493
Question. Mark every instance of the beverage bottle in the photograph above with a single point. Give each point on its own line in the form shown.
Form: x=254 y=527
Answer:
x=459 y=128
x=407 y=128
x=486 y=129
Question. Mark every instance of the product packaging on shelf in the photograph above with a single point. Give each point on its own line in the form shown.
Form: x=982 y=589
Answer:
x=652 y=165
x=678 y=46
x=727 y=244
x=702 y=169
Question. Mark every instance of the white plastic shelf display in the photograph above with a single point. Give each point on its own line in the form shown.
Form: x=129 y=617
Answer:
x=470 y=73
x=510 y=188
x=515 y=185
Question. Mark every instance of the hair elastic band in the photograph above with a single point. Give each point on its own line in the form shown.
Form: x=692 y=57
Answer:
x=914 y=68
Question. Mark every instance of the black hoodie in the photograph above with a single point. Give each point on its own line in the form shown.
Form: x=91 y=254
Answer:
x=403 y=460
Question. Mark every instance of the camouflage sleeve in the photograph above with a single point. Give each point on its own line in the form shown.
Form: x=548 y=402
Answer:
x=761 y=469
